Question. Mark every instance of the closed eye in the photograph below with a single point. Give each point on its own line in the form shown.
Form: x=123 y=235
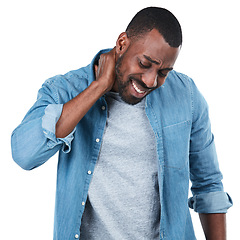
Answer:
x=144 y=65
x=161 y=74
x=164 y=72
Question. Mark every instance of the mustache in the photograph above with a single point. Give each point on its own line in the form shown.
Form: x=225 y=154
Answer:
x=141 y=83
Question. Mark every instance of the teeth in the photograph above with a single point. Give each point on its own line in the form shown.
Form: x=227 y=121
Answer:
x=137 y=89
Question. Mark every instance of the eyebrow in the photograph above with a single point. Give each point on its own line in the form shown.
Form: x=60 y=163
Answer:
x=156 y=62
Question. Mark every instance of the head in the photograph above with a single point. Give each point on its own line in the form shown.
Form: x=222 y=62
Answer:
x=146 y=53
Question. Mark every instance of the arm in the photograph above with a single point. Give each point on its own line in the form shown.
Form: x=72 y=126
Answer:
x=209 y=198
x=74 y=110
x=35 y=140
x=214 y=226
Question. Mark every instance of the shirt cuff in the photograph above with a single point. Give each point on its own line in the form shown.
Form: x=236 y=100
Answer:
x=49 y=120
x=212 y=202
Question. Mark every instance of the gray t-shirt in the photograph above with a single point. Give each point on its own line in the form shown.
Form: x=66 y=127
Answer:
x=123 y=199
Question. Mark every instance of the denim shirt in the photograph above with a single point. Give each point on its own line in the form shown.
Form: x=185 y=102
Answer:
x=179 y=117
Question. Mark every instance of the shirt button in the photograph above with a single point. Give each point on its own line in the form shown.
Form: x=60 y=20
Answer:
x=103 y=107
x=76 y=236
x=89 y=172
x=97 y=140
x=83 y=203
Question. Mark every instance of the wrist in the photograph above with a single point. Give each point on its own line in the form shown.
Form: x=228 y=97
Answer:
x=101 y=86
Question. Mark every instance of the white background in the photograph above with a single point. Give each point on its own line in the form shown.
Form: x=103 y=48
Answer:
x=40 y=39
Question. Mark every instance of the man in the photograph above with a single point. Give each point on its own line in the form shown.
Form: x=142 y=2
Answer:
x=130 y=133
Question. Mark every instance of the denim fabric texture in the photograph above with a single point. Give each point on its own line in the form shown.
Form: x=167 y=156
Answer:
x=178 y=114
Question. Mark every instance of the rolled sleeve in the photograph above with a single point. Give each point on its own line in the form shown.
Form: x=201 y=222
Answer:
x=213 y=202
x=49 y=120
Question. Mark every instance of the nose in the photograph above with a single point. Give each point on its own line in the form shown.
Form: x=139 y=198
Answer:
x=150 y=79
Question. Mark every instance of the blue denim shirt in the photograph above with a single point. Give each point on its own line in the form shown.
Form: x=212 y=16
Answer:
x=179 y=117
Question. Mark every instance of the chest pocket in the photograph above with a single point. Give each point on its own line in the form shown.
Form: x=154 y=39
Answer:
x=176 y=140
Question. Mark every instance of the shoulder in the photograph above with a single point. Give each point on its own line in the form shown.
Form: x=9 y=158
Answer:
x=179 y=95
x=177 y=79
x=181 y=84
x=75 y=77
x=75 y=81
x=177 y=86
x=185 y=86
x=64 y=87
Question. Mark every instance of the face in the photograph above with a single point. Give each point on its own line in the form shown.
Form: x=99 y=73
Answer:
x=142 y=65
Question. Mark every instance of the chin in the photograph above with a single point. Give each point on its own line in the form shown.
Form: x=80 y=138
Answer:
x=130 y=99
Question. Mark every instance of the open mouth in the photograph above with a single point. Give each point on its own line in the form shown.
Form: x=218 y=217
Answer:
x=137 y=89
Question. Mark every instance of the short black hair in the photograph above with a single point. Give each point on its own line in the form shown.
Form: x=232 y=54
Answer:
x=156 y=18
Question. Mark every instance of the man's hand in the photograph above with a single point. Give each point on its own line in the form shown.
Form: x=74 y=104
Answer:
x=105 y=71
x=74 y=110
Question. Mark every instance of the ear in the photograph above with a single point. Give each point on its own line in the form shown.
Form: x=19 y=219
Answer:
x=122 y=44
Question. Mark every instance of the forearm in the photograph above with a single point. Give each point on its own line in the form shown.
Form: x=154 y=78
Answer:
x=214 y=226
x=29 y=145
x=74 y=110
